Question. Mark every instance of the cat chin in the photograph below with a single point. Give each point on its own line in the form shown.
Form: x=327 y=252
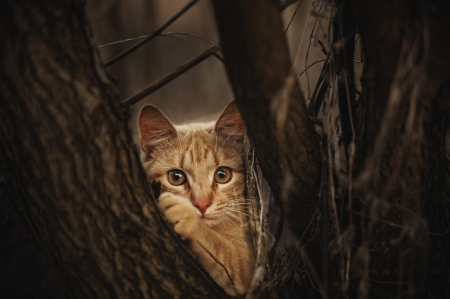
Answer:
x=210 y=221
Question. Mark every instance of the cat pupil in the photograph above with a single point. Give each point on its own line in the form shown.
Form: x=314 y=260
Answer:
x=221 y=174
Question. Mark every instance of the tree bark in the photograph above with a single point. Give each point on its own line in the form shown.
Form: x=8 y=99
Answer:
x=271 y=104
x=73 y=174
x=400 y=157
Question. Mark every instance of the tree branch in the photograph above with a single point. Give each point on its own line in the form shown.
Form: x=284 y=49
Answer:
x=271 y=103
x=169 y=77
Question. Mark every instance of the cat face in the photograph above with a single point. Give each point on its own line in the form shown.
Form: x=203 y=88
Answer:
x=202 y=163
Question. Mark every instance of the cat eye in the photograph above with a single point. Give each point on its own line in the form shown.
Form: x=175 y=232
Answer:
x=176 y=177
x=222 y=175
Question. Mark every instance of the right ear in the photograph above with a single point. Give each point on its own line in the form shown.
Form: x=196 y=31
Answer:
x=229 y=123
x=154 y=128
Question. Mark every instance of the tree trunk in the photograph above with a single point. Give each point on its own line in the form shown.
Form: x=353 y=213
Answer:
x=271 y=103
x=404 y=118
x=73 y=174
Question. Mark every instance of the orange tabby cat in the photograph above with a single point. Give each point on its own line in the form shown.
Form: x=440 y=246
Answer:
x=201 y=170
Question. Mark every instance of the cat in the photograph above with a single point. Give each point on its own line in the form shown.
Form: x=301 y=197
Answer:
x=200 y=167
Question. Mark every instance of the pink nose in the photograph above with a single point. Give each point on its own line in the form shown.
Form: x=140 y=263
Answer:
x=202 y=205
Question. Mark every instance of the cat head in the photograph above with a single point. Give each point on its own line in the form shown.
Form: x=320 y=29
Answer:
x=201 y=162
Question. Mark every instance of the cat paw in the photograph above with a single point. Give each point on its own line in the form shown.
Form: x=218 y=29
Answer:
x=180 y=213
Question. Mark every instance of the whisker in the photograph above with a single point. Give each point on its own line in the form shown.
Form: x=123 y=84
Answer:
x=245 y=224
x=240 y=204
x=232 y=203
x=235 y=217
x=226 y=218
x=243 y=199
x=241 y=212
x=231 y=222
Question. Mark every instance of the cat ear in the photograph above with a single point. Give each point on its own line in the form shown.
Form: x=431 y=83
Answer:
x=230 y=123
x=154 y=128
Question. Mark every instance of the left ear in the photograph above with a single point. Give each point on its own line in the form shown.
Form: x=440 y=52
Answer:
x=229 y=123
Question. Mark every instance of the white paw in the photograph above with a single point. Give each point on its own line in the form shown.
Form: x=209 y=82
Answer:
x=181 y=213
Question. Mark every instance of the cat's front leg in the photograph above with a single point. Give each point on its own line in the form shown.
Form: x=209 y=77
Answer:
x=181 y=213
x=227 y=259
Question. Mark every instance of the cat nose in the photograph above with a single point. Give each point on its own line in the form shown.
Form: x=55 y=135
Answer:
x=202 y=205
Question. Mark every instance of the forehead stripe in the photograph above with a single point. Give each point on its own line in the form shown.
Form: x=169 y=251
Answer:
x=191 y=155
x=182 y=161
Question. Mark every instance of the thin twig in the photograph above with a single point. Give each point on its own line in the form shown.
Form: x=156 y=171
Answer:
x=293 y=16
x=321 y=60
x=165 y=34
x=214 y=258
x=217 y=55
x=309 y=45
x=151 y=36
x=321 y=89
x=136 y=38
x=169 y=77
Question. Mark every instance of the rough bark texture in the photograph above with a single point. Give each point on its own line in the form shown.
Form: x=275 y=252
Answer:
x=271 y=104
x=73 y=174
x=400 y=158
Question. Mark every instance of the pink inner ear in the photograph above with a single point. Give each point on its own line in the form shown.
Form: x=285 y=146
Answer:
x=154 y=128
x=230 y=123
